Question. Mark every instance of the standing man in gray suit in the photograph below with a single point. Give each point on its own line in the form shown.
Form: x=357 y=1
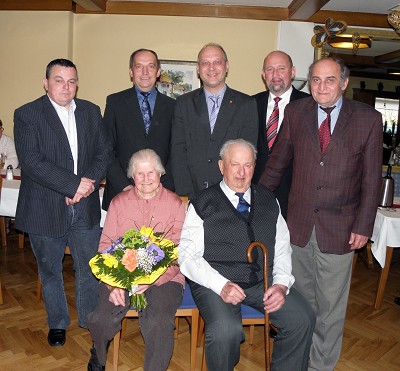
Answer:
x=336 y=147
x=64 y=154
x=137 y=118
x=278 y=73
x=206 y=118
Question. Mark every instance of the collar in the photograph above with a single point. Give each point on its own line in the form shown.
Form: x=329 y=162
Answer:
x=56 y=106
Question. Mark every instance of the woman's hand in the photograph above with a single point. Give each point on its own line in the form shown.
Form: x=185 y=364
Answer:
x=117 y=296
x=141 y=289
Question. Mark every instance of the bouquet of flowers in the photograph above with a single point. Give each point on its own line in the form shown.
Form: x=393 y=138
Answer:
x=139 y=257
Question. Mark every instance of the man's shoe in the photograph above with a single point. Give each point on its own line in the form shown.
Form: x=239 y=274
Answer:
x=397 y=300
x=56 y=337
x=94 y=364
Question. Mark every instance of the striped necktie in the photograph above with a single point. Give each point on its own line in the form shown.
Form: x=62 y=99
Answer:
x=146 y=111
x=272 y=124
x=214 y=111
x=325 y=129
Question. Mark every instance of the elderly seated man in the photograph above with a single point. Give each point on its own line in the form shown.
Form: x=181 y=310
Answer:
x=220 y=224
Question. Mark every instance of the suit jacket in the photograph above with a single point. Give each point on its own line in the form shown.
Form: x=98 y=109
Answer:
x=47 y=165
x=124 y=126
x=195 y=151
x=263 y=152
x=338 y=191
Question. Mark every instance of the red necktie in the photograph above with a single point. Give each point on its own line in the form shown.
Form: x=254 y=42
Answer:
x=272 y=123
x=325 y=129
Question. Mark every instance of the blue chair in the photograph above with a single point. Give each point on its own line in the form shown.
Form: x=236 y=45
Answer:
x=188 y=309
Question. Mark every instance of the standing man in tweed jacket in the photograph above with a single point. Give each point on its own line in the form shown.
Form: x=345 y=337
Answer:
x=64 y=155
x=336 y=147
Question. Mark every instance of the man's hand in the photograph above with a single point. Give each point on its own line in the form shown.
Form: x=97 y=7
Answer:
x=86 y=187
x=117 y=295
x=232 y=293
x=274 y=298
x=357 y=241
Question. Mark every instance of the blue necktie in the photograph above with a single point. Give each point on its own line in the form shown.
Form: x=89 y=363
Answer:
x=243 y=205
x=146 y=111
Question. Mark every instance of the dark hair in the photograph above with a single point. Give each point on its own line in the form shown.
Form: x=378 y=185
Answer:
x=59 y=62
x=133 y=55
x=344 y=71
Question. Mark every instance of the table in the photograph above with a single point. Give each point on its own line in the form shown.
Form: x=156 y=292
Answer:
x=385 y=237
x=9 y=197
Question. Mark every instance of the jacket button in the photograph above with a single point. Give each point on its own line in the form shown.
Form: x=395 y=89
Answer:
x=209 y=161
x=322 y=163
x=316 y=210
x=319 y=188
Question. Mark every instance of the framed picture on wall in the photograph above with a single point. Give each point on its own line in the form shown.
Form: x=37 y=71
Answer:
x=177 y=78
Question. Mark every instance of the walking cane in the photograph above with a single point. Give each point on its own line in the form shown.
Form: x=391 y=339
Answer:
x=266 y=314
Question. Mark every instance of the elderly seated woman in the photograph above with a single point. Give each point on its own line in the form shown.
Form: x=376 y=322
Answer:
x=146 y=204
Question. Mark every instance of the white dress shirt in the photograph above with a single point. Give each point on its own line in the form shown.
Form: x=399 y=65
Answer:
x=7 y=147
x=197 y=269
x=67 y=117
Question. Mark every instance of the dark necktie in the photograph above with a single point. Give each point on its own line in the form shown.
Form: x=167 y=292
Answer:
x=272 y=123
x=146 y=111
x=325 y=129
x=214 y=111
x=243 y=206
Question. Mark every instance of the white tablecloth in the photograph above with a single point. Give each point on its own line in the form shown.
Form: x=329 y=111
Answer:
x=386 y=232
x=9 y=198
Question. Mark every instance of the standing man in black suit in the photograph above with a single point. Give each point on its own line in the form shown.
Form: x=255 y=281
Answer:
x=206 y=118
x=278 y=73
x=64 y=154
x=138 y=118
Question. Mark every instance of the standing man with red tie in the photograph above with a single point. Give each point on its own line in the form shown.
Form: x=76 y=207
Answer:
x=278 y=73
x=337 y=167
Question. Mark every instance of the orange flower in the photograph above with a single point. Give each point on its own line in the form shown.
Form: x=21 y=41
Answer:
x=129 y=260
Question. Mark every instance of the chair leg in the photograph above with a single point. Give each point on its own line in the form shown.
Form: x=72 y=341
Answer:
x=39 y=290
x=123 y=327
x=353 y=265
x=3 y=231
x=201 y=331
x=203 y=360
x=369 y=255
x=251 y=335
x=117 y=339
x=193 y=339
x=1 y=294
x=21 y=240
x=176 y=331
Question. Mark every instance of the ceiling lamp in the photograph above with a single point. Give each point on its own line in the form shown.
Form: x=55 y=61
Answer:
x=394 y=20
x=355 y=41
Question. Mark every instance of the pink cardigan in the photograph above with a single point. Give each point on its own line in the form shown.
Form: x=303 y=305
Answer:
x=164 y=212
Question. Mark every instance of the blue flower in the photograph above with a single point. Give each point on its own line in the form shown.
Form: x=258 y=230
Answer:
x=156 y=251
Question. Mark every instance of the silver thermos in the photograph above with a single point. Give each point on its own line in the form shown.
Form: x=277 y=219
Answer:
x=387 y=190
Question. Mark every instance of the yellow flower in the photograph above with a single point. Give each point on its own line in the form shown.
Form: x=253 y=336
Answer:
x=110 y=261
x=147 y=231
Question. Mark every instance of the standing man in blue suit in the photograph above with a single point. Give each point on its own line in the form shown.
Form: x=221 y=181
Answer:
x=206 y=118
x=64 y=154
x=138 y=118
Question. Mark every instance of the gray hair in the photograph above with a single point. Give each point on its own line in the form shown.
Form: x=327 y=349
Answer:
x=145 y=155
x=344 y=71
x=215 y=45
x=225 y=147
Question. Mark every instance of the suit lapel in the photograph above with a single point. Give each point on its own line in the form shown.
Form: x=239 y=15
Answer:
x=225 y=114
x=81 y=117
x=202 y=126
x=157 y=114
x=312 y=125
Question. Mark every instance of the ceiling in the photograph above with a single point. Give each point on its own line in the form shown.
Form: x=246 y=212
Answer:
x=363 y=16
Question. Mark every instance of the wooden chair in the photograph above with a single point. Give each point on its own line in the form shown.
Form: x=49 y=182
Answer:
x=39 y=284
x=250 y=317
x=369 y=260
x=3 y=232
x=187 y=309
